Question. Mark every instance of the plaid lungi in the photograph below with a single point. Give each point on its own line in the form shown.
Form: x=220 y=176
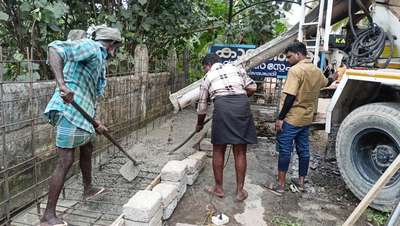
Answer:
x=68 y=135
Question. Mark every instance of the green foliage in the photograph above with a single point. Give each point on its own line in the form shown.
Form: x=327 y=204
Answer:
x=377 y=218
x=192 y=24
x=282 y=221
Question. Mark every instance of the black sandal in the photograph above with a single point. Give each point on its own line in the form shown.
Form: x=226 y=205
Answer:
x=275 y=189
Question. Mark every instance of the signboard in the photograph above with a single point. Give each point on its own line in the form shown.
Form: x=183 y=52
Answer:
x=276 y=67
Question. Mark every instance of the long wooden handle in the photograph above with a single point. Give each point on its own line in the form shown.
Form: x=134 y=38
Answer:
x=187 y=139
x=105 y=133
x=393 y=168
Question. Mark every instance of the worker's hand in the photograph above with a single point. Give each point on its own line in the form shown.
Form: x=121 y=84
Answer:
x=101 y=128
x=66 y=94
x=279 y=126
x=335 y=76
x=199 y=127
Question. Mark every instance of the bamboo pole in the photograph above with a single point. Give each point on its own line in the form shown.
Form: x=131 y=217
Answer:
x=371 y=195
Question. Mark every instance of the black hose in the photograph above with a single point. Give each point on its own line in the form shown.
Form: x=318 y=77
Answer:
x=351 y=20
x=369 y=43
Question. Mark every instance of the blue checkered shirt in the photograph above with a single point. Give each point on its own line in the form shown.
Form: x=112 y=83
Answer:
x=84 y=74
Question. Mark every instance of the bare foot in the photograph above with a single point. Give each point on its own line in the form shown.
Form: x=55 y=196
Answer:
x=94 y=192
x=52 y=221
x=214 y=191
x=242 y=195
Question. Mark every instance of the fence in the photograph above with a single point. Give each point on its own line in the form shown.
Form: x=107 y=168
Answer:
x=132 y=99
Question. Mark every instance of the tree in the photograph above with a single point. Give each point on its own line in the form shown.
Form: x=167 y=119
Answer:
x=159 y=24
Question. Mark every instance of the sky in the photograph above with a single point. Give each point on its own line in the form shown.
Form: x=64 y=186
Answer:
x=293 y=16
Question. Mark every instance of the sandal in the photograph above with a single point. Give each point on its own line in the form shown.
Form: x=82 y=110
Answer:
x=296 y=183
x=102 y=190
x=275 y=189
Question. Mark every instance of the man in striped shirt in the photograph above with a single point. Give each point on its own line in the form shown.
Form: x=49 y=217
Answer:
x=79 y=67
x=228 y=87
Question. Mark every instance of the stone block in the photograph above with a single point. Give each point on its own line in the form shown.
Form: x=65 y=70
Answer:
x=181 y=187
x=182 y=192
x=173 y=171
x=192 y=165
x=205 y=145
x=200 y=155
x=155 y=221
x=142 y=206
x=191 y=178
x=168 y=193
x=167 y=211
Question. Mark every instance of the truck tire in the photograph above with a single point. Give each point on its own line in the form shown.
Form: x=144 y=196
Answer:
x=367 y=142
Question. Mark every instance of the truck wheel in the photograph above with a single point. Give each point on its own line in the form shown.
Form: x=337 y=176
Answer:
x=367 y=143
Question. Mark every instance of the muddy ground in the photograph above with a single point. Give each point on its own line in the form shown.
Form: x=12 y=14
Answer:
x=326 y=202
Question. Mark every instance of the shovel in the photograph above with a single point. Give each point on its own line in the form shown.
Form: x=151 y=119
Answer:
x=128 y=171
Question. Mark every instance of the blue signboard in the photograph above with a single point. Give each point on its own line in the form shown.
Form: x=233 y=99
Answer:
x=277 y=67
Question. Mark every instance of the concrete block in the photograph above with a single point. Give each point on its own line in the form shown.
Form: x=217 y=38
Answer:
x=181 y=187
x=155 y=221
x=200 y=155
x=182 y=192
x=167 y=211
x=208 y=134
x=192 y=165
x=142 y=206
x=191 y=178
x=173 y=171
x=205 y=145
x=168 y=193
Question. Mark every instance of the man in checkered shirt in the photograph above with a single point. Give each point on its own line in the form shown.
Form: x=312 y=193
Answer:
x=228 y=87
x=79 y=67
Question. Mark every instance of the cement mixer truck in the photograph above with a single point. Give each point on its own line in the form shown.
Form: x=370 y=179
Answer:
x=363 y=118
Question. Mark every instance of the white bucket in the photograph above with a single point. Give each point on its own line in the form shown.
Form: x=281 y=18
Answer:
x=186 y=96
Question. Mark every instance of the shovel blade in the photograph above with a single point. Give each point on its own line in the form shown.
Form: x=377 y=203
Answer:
x=129 y=171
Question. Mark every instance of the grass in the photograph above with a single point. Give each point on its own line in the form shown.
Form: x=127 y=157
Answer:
x=282 y=221
x=377 y=218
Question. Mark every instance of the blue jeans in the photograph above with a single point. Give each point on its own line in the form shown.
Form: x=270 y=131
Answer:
x=293 y=135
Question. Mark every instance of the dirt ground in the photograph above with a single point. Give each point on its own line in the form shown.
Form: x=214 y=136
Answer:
x=326 y=202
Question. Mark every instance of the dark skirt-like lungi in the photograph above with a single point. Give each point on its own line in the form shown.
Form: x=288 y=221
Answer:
x=232 y=121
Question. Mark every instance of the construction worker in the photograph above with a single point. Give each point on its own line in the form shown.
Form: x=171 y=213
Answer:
x=79 y=67
x=300 y=93
x=228 y=87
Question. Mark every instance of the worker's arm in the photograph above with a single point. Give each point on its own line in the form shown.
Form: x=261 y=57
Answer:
x=328 y=81
x=57 y=66
x=200 y=122
x=287 y=105
x=291 y=89
x=249 y=85
x=251 y=89
x=203 y=103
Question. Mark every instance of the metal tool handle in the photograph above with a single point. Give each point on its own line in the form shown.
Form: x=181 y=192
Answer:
x=105 y=133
